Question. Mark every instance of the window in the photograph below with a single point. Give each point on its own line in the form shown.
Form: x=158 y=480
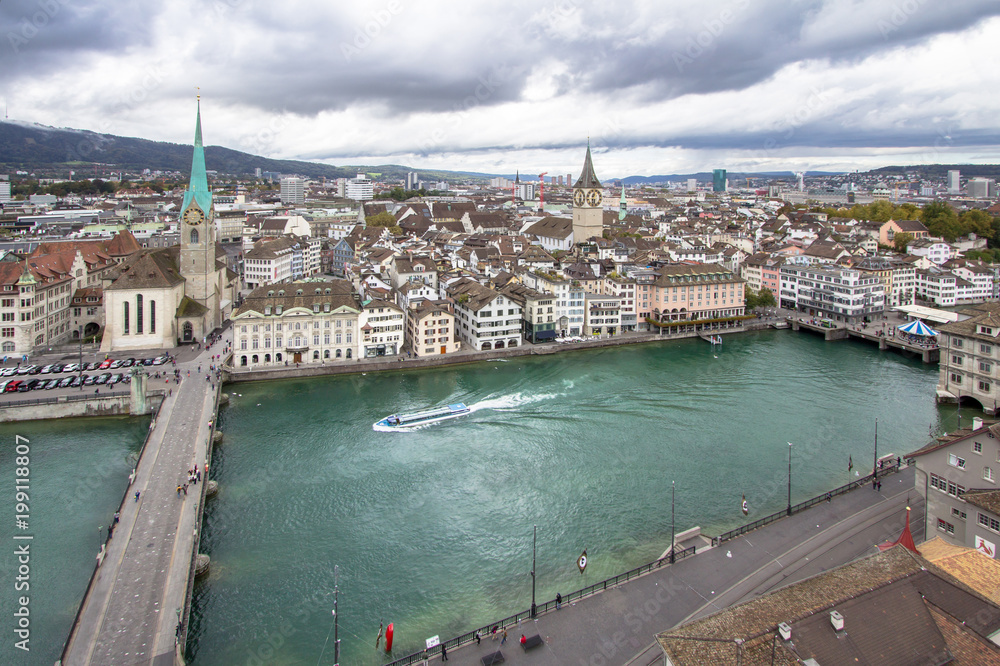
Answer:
x=152 y=316
x=986 y=349
x=956 y=461
x=125 y=312
x=957 y=343
x=945 y=526
x=194 y=236
x=985 y=367
x=956 y=513
x=7 y=333
x=977 y=447
x=956 y=360
x=984 y=387
x=989 y=522
x=988 y=474
x=956 y=378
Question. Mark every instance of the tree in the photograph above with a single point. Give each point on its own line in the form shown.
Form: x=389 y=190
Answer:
x=977 y=222
x=758 y=299
x=901 y=241
x=941 y=220
x=383 y=219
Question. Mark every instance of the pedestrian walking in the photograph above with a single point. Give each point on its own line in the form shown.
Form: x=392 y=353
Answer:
x=178 y=491
x=493 y=634
x=880 y=486
x=185 y=488
x=444 y=652
x=136 y=496
x=558 y=601
x=117 y=517
x=479 y=638
x=504 y=639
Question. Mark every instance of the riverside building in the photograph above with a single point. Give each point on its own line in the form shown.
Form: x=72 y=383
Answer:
x=834 y=293
x=306 y=322
x=970 y=358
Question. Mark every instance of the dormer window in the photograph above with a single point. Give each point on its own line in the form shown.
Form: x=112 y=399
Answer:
x=277 y=310
x=986 y=330
x=316 y=308
x=267 y=309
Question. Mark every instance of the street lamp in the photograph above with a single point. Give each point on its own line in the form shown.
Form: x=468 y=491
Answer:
x=534 y=541
x=789 y=478
x=673 y=533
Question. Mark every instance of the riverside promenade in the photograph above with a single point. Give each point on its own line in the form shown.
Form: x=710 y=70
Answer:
x=134 y=609
x=617 y=626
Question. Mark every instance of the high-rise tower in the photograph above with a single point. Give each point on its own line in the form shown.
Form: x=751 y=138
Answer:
x=588 y=214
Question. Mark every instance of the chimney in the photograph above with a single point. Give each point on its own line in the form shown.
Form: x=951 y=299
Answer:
x=785 y=630
x=977 y=422
x=837 y=620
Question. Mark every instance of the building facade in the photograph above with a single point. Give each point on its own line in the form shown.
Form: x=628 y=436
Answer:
x=430 y=329
x=970 y=358
x=839 y=294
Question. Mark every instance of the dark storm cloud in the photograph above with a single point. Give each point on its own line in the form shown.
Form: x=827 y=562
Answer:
x=41 y=35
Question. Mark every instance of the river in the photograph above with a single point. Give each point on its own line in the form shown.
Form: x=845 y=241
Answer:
x=432 y=529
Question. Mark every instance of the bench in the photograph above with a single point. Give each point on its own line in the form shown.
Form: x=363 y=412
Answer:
x=492 y=658
x=532 y=642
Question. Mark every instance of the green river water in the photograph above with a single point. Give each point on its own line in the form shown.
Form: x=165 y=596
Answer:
x=432 y=529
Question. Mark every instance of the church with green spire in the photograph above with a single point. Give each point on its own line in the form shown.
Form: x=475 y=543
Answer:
x=158 y=298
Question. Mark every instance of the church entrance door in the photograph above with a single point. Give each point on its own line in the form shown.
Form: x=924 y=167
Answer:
x=188 y=332
x=298 y=357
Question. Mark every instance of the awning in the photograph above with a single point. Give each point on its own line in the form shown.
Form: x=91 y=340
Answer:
x=917 y=327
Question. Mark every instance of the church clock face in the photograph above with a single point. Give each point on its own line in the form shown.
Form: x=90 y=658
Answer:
x=594 y=198
x=579 y=198
x=192 y=216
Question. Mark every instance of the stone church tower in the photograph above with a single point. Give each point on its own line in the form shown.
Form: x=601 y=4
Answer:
x=588 y=214
x=197 y=229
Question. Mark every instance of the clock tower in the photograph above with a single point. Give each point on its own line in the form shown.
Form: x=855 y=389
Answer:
x=588 y=213
x=197 y=230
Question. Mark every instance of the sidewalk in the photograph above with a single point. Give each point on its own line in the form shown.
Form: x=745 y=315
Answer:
x=617 y=626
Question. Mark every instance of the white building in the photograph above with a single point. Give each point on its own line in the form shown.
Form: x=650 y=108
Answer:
x=292 y=191
x=937 y=286
x=298 y=322
x=360 y=188
x=383 y=329
x=602 y=315
x=4 y=189
x=485 y=319
x=937 y=252
x=570 y=303
x=954 y=182
x=839 y=294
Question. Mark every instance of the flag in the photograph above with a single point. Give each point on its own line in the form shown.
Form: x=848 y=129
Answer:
x=746 y=509
x=850 y=463
x=582 y=561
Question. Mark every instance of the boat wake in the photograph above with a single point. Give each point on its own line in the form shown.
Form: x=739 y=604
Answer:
x=512 y=401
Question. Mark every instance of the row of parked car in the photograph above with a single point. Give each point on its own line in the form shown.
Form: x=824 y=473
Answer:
x=107 y=364
x=73 y=381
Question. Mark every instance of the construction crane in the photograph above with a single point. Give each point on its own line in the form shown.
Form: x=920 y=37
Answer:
x=541 y=191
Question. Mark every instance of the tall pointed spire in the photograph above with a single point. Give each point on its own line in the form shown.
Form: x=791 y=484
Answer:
x=588 y=178
x=198 y=185
x=622 y=206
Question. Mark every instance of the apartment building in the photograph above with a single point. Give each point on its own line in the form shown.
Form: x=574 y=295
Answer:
x=836 y=293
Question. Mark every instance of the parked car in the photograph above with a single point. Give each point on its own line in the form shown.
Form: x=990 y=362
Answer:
x=93 y=366
x=71 y=367
x=103 y=379
x=47 y=369
x=13 y=385
x=90 y=380
x=8 y=372
x=105 y=364
x=35 y=370
x=66 y=382
x=159 y=360
x=147 y=361
x=114 y=379
x=25 y=369
x=24 y=387
x=52 y=383
x=128 y=363
x=115 y=364
x=78 y=381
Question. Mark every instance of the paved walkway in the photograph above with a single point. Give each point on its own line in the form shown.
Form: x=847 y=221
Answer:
x=618 y=626
x=131 y=614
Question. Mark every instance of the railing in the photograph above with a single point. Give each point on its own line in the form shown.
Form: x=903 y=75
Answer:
x=545 y=607
x=65 y=398
x=801 y=506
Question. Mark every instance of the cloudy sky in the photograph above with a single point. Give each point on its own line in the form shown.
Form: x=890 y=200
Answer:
x=659 y=86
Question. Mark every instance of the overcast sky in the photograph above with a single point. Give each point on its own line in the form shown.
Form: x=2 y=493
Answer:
x=659 y=86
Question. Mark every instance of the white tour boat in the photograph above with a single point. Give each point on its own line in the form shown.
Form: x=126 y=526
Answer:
x=422 y=418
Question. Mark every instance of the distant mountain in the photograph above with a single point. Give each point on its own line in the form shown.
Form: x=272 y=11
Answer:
x=706 y=177
x=33 y=147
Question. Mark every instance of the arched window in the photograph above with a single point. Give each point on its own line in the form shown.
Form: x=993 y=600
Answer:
x=138 y=313
x=243 y=360
x=339 y=354
x=326 y=354
x=194 y=236
x=152 y=316
x=125 y=320
x=277 y=357
x=267 y=358
x=254 y=359
x=348 y=353
x=316 y=355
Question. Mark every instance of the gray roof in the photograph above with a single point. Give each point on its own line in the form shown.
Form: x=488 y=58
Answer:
x=587 y=178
